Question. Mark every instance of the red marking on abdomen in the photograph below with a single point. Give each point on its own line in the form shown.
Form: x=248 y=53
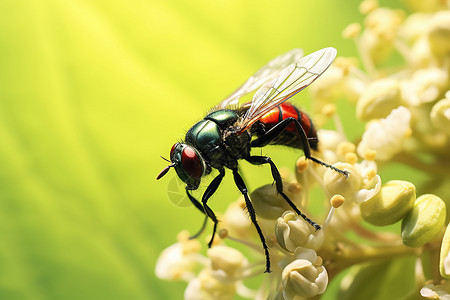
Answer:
x=282 y=112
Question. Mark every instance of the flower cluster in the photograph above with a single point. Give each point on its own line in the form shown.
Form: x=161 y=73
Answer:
x=402 y=91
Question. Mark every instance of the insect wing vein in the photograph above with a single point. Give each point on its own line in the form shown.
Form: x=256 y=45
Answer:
x=289 y=82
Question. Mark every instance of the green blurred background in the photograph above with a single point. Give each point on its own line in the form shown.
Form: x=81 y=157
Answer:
x=91 y=94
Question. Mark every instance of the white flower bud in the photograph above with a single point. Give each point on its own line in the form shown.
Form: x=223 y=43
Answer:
x=328 y=85
x=335 y=183
x=377 y=49
x=426 y=85
x=381 y=25
x=206 y=287
x=440 y=115
x=415 y=26
x=292 y=231
x=386 y=136
x=329 y=139
x=379 y=99
x=384 y=22
x=236 y=220
x=304 y=277
x=174 y=263
x=227 y=264
x=336 y=83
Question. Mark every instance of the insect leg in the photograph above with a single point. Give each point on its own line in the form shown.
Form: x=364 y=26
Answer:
x=194 y=201
x=251 y=211
x=260 y=160
x=273 y=132
x=210 y=190
x=199 y=206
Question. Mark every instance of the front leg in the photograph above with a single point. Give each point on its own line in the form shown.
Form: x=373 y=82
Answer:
x=210 y=190
x=251 y=211
x=199 y=206
x=260 y=160
x=204 y=207
x=275 y=131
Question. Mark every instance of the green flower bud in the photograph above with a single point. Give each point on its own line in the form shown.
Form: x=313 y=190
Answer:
x=444 y=263
x=424 y=221
x=378 y=100
x=292 y=231
x=440 y=115
x=391 y=204
x=268 y=203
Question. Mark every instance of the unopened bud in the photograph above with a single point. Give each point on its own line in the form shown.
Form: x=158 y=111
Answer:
x=444 y=263
x=391 y=204
x=206 y=286
x=424 y=221
x=268 y=203
x=188 y=245
x=227 y=263
x=236 y=220
x=378 y=100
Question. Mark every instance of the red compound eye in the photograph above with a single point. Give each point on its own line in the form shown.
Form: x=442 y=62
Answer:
x=191 y=163
x=173 y=148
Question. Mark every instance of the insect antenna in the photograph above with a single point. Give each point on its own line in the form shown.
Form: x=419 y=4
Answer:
x=165 y=159
x=166 y=169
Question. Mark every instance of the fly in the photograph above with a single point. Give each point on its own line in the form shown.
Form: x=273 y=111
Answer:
x=229 y=131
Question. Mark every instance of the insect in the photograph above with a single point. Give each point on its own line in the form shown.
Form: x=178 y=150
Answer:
x=231 y=129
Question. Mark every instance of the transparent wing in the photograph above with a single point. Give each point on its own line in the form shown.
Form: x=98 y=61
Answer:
x=291 y=80
x=262 y=76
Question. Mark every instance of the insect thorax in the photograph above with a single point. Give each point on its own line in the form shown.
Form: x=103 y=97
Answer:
x=237 y=145
x=216 y=139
